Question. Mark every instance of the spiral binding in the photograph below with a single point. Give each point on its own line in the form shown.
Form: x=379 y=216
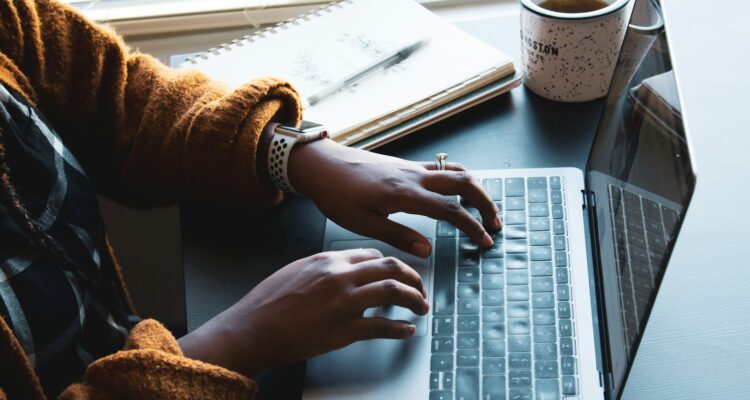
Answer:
x=240 y=42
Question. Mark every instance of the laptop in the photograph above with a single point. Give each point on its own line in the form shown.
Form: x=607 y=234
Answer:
x=557 y=307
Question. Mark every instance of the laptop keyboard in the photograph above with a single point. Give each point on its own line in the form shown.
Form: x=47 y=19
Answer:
x=642 y=230
x=502 y=319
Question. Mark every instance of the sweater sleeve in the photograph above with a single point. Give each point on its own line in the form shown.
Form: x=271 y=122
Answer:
x=147 y=135
x=151 y=366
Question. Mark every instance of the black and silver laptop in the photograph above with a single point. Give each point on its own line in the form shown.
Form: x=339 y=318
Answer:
x=557 y=307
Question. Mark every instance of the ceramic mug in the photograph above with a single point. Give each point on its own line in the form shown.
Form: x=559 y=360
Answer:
x=570 y=57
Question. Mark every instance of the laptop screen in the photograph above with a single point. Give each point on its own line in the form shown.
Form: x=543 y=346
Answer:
x=640 y=173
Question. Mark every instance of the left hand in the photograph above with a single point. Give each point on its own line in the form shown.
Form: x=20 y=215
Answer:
x=358 y=189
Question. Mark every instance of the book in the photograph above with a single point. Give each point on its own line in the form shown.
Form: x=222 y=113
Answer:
x=451 y=72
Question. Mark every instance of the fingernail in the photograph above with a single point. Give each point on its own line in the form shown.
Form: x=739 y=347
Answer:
x=498 y=222
x=425 y=308
x=487 y=241
x=420 y=249
x=410 y=329
x=424 y=293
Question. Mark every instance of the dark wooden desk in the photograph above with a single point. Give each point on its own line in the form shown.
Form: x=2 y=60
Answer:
x=227 y=252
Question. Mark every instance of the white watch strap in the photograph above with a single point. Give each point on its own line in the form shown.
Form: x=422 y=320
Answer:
x=278 y=161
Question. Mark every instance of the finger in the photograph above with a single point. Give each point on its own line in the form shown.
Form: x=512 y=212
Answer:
x=447 y=208
x=386 y=268
x=354 y=256
x=379 y=328
x=380 y=227
x=463 y=184
x=449 y=166
x=388 y=292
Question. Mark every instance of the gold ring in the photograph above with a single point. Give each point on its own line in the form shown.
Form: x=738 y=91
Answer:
x=440 y=161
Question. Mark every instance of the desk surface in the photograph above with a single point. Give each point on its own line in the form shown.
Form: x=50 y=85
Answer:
x=226 y=255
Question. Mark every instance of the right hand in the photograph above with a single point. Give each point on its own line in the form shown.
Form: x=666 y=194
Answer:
x=311 y=306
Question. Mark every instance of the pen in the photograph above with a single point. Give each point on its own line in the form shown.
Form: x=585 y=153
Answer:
x=391 y=59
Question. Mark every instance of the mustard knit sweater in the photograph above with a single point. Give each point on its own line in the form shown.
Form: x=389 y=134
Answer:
x=147 y=136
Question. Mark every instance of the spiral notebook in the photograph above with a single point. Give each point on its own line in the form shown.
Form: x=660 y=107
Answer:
x=450 y=73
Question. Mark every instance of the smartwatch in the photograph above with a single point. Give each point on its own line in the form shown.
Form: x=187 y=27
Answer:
x=284 y=139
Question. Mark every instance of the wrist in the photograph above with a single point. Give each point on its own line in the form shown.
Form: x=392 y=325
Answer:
x=306 y=161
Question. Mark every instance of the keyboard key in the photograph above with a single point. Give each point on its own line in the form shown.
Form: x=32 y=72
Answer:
x=569 y=385
x=468 y=323
x=515 y=204
x=493 y=387
x=493 y=348
x=468 y=259
x=541 y=268
x=517 y=292
x=566 y=328
x=519 y=344
x=537 y=196
x=539 y=253
x=547 y=389
x=492 y=281
x=568 y=365
x=465 y=244
x=494 y=188
x=555 y=197
x=545 y=369
x=514 y=218
x=518 y=277
x=492 y=266
x=494 y=251
x=445 y=277
x=516 y=246
x=558 y=227
x=519 y=378
x=493 y=331
x=561 y=259
x=560 y=243
x=538 y=224
x=538 y=210
x=545 y=351
x=518 y=309
x=514 y=187
x=515 y=231
x=468 y=341
x=542 y=300
x=563 y=292
x=539 y=238
x=557 y=211
x=447 y=380
x=434 y=380
x=519 y=394
x=544 y=317
x=445 y=230
x=493 y=297
x=493 y=314
x=441 y=395
x=566 y=347
x=544 y=334
x=468 y=306
x=542 y=284
x=470 y=275
x=516 y=261
x=493 y=365
x=554 y=183
x=561 y=274
x=468 y=290
x=563 y=309
x=442 y=345
x=467 y=383
x=518 y=326
x=519 y=360
x=441 y=362
x=467 y=358
x=443 y=326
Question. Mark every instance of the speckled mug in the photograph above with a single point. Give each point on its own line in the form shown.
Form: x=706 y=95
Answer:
x=570 y=57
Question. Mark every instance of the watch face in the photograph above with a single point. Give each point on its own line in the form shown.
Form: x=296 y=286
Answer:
x=308 y=125
x=307 y=130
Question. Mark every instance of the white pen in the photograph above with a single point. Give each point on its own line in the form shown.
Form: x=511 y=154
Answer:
x=391 y=59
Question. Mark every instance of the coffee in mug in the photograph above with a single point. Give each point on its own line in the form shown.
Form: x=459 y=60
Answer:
x=569 y=48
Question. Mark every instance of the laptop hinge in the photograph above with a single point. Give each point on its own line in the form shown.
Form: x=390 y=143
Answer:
x=584 y=202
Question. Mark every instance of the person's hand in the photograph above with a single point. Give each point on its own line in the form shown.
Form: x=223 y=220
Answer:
x=358 y=190
x=311 y=306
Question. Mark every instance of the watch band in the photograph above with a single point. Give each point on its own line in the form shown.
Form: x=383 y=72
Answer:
x=278 y=161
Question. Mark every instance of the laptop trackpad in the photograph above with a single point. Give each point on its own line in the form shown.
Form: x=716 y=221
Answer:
x=421 y=265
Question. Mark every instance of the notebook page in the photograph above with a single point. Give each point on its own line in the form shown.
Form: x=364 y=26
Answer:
x=312 y=53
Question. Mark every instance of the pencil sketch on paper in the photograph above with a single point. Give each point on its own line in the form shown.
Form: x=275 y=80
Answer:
x=375 y=49
x=308 y=70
